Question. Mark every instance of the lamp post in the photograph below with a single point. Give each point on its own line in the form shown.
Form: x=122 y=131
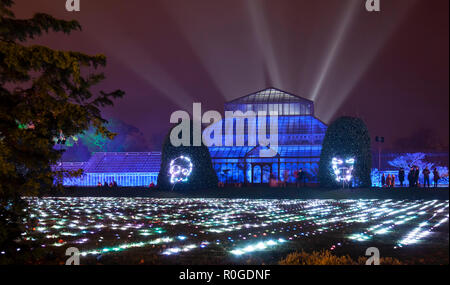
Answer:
x=379 y=140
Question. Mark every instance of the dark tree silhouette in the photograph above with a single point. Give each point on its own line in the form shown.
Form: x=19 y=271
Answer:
x=43 y=95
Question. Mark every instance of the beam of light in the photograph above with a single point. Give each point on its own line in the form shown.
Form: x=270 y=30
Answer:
x=141 y=63
x=108 y=33
x=134 y=54
x=352 y=69
x=336 y=44
x=265 y=42
x=220 y=56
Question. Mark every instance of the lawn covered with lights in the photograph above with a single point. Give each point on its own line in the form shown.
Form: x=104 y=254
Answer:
x=231 y=231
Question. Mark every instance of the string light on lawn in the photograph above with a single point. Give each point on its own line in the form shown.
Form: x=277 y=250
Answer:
x=239 y=227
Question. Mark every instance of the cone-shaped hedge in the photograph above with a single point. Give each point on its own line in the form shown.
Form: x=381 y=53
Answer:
x=202 y=176
x=346 y=137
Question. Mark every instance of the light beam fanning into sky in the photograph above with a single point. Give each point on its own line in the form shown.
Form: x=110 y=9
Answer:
x=339 y=37
x=262 y=34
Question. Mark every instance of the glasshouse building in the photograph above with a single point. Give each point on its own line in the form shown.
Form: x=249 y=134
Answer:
x=300 y=136
x=125 y=168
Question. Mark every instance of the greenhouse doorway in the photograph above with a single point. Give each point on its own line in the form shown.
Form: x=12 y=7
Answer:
x=261 y=173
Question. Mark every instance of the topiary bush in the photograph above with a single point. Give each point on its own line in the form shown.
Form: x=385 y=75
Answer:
x=346 y=137
x=203 y=175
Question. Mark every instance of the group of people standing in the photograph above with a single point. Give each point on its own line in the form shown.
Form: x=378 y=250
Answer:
x=300 y=179
x=388 y=181
x=112 y=184
x=413 y=177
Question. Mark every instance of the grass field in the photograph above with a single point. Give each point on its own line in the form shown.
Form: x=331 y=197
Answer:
x=180 y=230
x=263 y=192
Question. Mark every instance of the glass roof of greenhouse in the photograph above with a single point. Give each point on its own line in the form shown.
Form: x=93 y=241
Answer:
x=69 y=166
x=287 y=125
x=124 y=162
x=272 y=100
x=270 y=95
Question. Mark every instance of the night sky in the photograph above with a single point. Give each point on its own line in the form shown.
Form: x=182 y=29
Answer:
x=390 y=68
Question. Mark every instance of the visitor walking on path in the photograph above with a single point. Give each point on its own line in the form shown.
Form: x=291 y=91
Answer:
x=393 y=181
x=411 y=175
x=272 y=180
x=300 y=178
x=383 y=180
x=416 y=177
x=401 y=176
x=435 y=177
x=286 y=178
x=426 y=177
x=388 y=180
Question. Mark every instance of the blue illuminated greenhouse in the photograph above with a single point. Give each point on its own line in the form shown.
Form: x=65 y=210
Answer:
x=300 y=136
x=125 y=168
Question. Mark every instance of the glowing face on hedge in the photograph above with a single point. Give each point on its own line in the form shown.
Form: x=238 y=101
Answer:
x=343 y=168
x=180 y=169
